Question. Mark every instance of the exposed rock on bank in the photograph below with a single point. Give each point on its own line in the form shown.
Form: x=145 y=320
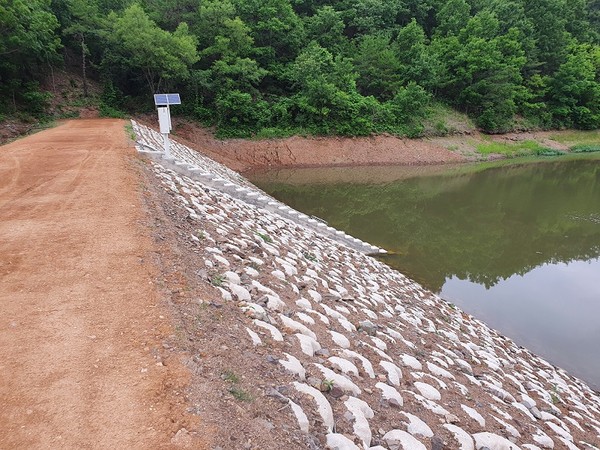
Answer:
x=356 y=354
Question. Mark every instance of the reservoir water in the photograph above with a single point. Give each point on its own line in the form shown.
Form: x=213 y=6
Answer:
x=517 y=246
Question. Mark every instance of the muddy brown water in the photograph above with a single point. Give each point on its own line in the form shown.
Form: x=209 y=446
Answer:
x=516 y=245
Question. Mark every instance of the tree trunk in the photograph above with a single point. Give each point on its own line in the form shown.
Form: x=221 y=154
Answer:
x=83 y=66
x=52 y=74
x=149 y=75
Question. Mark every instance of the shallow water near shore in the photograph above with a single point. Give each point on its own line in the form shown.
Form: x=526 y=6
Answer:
x=516 y=245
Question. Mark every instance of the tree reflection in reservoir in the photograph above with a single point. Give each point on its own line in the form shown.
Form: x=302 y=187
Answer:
x=483 y=226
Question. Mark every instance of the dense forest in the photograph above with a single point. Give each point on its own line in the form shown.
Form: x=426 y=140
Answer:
x=350 y=67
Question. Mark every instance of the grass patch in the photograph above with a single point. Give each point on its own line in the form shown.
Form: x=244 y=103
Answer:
x=549 y=152
x=110 y=112
x=310 y=256
x=217 y=280
x=240 y=394
x=577 y=137
x=230 y=377
x=442 y=120
x=44 y=125
x=529 y=159
x=524 y=148
x=67 y=115
x=327 y=385
x=264 y=237
x=237 y=392
x=130 y=132
x=84 y=102
x=585 y=148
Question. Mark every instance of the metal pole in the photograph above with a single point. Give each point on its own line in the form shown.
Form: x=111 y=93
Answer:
x=167 y=145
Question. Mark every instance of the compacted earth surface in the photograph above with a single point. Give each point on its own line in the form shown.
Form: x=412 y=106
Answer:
x=154 y=303
x=82 y=317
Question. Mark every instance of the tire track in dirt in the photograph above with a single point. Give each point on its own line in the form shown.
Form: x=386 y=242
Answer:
x=81 y=319
x=9 y=174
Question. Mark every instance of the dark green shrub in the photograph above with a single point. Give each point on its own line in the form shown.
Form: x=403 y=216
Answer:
x=111 y=96
x=585 y=148
x=35 y=101
x=548 y=152
x=109 y=111
x=238 y=114
x=410 y=103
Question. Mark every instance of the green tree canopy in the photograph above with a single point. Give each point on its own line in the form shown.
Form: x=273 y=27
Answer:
x=28 y=41
x=28 y=35
x=137 y=44
x=503 y=62
x=575 y=89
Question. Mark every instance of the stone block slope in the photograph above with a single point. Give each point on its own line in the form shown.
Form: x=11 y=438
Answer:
x=372 y=359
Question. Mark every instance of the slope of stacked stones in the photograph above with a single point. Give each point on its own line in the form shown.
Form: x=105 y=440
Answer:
x=378 y=362
x=186 y=161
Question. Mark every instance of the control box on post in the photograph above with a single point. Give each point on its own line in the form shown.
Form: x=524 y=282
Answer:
x=164 y=119
x=163 y=102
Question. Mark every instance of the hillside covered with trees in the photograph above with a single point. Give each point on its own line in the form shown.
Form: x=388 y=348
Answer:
x=350 y=67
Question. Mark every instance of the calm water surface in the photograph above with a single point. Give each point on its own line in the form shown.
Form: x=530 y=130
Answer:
x=517 y=246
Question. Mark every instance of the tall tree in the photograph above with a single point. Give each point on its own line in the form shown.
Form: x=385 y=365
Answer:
x=326 y=100
x=226 y=53
x=277 y=30
x=84 y=22
x=28 y=40
x=575 y=89
x=378 y=67
x=417 y=61
x=372 y=16
x=138 y=44
x=28 y=34
x=168 y=14
x=577 y=20
x=593 y=13
x=424 y=13
x=326 y=27
x=549 y=32
x=483 y=71
x=452 y=16
x=210 y=19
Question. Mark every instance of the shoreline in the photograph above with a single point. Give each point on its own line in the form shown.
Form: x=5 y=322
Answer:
x=382 y=174
x=247 y=155
x=297 y=152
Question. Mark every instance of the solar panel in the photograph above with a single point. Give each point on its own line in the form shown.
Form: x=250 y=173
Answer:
x=160 y=99
x=173 y=99
x=167 y=99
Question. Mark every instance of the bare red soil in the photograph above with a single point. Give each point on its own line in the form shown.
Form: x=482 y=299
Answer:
x=244 y=155
x=82 y=320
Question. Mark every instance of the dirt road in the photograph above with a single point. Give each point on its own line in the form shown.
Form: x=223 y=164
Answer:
x=81 y=320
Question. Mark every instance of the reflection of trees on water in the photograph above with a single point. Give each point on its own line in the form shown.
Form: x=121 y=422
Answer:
x=483 y=227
